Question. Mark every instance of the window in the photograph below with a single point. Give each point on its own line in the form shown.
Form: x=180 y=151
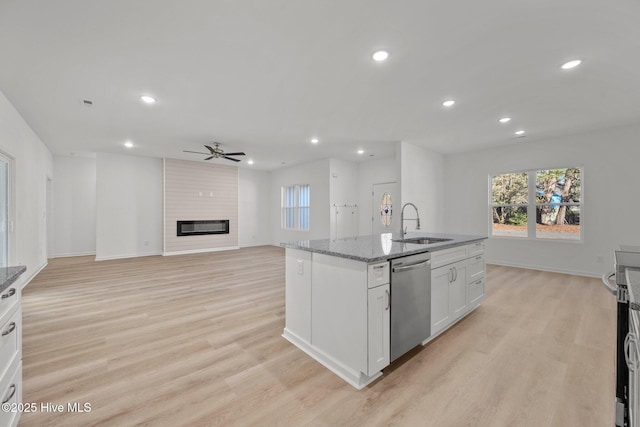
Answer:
x=296 y=206
x=550 y=209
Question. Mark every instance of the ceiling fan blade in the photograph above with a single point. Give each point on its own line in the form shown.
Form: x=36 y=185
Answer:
x=240 y=153
x=229 y=158
x=196 y=152
x=210 y=149
x=209 y=158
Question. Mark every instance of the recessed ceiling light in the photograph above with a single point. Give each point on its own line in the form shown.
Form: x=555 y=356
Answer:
x=505 y=120
x=571 y=64
x=250 y=161
x=449 y=103
x=314 y=140
x=360 y=151
x=519 y=132
x=380 y=55
x=128 y=144
x=148 y=99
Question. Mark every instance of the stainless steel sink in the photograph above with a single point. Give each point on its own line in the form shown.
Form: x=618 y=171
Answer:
x=421 y=240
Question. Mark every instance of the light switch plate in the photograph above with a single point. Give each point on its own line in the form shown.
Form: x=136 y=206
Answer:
x=301 y=267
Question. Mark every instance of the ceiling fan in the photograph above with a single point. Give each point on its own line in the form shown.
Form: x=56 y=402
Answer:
x=216 y=152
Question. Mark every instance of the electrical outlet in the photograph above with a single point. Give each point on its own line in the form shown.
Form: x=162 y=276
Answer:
x=146 y=243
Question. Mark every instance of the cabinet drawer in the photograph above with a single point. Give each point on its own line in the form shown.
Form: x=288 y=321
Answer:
x=476 y=268
x=476 y=248
x=9 y=299
x=10 y=339
x=11 y=392
x=475 y=293
x=448 y=256
x=378 y=274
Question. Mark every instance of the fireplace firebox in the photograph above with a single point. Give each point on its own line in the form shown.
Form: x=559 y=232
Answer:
x=198 y=228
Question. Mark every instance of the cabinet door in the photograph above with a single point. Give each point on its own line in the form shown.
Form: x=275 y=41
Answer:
x=458 y=290
x=440 y=314
x=379 y=309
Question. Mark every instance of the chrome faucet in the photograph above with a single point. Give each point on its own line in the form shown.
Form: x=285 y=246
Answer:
x=402 y=219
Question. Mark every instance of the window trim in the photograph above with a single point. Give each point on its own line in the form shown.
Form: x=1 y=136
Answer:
x=532 y=205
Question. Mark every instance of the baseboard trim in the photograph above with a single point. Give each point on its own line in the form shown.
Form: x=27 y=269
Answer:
x=107 y=258
x=357 y=379
x=27 y=281
x=200 y=251
x=542 y=268
x=72 y=254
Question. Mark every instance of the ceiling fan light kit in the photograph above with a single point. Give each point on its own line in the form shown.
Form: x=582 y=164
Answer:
x=216 y=152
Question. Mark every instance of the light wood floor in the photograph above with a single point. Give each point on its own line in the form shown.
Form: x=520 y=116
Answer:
x=195 y=340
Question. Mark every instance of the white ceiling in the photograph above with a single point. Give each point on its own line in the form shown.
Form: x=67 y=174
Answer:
x=264 y=76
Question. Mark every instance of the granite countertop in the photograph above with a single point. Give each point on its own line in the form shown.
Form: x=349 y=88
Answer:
x=8 y=275
x=633 y=286
x=379 y=247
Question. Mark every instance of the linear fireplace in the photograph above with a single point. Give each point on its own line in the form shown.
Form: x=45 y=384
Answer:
x=197 y=228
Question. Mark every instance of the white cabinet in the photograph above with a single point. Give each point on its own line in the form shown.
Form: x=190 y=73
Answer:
x=298 y=293
x=11 y=393
x=476 y=268
x=458 y=290
x=10 y=353
x=448 y=256
x=475 y=280
x=379 y=310
x=475 y=293
x=476 y=248
x=457 y=284
x=440 y=314
x=448 y=294
x=338 y=311
x=378 y=274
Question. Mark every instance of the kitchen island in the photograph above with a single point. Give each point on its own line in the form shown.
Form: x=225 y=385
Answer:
x=338 y=295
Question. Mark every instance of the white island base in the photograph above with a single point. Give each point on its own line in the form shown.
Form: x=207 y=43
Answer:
x=357 y=379
x=338 y=309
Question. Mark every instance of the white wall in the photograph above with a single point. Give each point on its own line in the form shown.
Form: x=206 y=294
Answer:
x=317 y=175
x=254 y=208
x=371 y=172
x=74 y=204
x=611 y=203
x=343 y=190
x=422 y=182
x=33 y=163
x=128 y=206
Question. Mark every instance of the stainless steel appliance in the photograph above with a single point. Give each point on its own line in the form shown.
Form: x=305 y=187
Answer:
x=410 y=302
x=627 y=256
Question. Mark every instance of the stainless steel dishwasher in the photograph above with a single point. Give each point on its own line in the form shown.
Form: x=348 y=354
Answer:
x=410 y=302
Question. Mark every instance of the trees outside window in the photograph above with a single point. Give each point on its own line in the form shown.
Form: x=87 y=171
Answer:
x=549 y=210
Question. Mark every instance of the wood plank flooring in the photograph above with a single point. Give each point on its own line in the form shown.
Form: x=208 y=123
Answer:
x=195 y=340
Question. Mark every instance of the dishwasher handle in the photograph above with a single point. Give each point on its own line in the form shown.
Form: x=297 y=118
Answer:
x=412 y=266
x=607 y=284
